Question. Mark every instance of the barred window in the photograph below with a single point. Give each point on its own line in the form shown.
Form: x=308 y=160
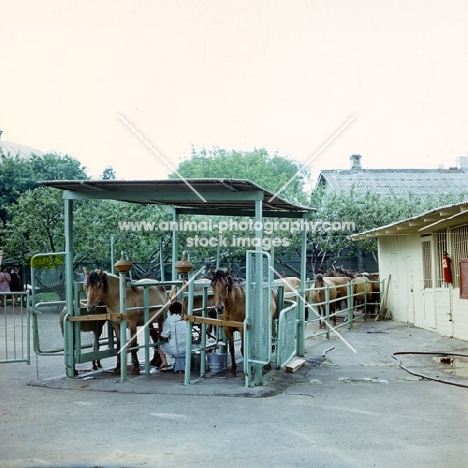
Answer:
x=441 y=247
x=427 y=264
x=459 y=247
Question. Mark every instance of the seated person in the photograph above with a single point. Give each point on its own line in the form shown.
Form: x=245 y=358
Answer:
x=175 y=331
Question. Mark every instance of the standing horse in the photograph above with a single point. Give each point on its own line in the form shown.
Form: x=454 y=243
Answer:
x=104 y=287
x=362 y=290
x=230 y=303
x=318 y=297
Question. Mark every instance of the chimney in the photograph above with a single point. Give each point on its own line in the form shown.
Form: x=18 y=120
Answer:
x=356 y=162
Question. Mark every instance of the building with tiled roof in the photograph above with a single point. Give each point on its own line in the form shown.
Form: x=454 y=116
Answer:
x=400 y=182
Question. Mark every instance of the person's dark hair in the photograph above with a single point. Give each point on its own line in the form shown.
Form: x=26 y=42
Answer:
x=176 y=307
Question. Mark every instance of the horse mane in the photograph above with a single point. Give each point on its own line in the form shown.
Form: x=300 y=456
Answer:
x=94 y=277
x=218 y=275
x=221 y=274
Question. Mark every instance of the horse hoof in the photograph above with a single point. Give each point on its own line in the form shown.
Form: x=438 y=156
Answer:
x=116 y=371
x=135 y=371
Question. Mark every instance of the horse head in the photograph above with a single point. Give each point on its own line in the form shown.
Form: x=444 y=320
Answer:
x=319 y=296
x=222 y=286
x=96 y=287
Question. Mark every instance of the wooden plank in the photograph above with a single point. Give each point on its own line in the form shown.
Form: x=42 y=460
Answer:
x=92 y=318
x=383 y=303
x=210 y=321
x=293 y=366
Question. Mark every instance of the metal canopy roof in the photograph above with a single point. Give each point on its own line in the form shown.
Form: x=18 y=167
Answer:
x=433 y=220
x=210 y=196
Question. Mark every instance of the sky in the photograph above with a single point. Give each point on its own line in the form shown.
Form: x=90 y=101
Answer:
x=137 y=84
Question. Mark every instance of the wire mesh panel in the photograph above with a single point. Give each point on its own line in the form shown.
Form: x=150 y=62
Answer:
x=48 y=303
x=286 y=335
x=258 y=311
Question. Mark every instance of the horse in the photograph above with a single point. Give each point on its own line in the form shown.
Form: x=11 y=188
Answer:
x=230 y=304
x=291 y=284
x=318 y=296
x=94 y=326
x=362 y=290
x=104 y=287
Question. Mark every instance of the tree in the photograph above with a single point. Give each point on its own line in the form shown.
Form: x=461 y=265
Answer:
x=273 y=173
x=362 y=211
x=108 y=173
x=17 y=175
x=270 y=172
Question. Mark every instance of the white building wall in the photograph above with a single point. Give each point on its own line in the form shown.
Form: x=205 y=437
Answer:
x=439 y=309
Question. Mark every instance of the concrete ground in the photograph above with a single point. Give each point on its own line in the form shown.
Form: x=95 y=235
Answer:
x=355 y=407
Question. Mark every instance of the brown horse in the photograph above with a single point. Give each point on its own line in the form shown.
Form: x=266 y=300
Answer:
x=318 y=296
x=104 y=287
x=362 y=290
x=230 y=303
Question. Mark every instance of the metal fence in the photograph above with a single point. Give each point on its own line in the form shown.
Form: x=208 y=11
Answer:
x=14 y=328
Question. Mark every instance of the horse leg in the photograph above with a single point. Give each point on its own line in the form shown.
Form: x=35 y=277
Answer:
x=97 y=334
x=133 y=343
x=116 y=328
x=156 y=361
x=230 y=339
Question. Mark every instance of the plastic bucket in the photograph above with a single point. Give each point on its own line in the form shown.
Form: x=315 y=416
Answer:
x=216 y=361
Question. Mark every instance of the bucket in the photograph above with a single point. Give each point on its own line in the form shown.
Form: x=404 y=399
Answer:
x=195 y=362
x=216 y=361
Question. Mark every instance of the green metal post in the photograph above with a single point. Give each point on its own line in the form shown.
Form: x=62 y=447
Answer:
x=188 y=346
x=69 y=344
x=349 y=303
x=146 y=331
x=175 y=242
x=123 y=327
x=300 y=340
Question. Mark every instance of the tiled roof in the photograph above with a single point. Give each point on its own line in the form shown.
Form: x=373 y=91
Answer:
x=397 y=181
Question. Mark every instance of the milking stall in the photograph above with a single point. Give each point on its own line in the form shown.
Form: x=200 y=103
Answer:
x=204 y=197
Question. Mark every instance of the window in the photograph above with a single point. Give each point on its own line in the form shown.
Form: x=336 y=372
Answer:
x=459 y=247
x=441 y=246
x=427 y=264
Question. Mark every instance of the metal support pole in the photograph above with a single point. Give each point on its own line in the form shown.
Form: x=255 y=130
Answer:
x=300 y=340
x=175 y=242
x=123 y=327
x=69 y=344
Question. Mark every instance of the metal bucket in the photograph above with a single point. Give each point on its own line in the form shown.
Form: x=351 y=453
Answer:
x=195 y=362
x=216 y=361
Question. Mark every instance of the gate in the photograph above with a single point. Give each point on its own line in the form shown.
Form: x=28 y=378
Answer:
x=257 y=326
x=48 y=298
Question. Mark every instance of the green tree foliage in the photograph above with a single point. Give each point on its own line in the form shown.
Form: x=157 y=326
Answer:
x=30 y=230
x=17 y=175
x=274 y=173
x=270 y=172
x=366 y=211
x=108 y=174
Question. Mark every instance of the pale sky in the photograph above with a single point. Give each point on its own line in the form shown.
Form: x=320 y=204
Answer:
x=236 y=74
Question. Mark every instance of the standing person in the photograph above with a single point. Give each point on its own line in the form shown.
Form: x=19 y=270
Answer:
x=175 y=331
x=5 y=279
x=15 y=283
